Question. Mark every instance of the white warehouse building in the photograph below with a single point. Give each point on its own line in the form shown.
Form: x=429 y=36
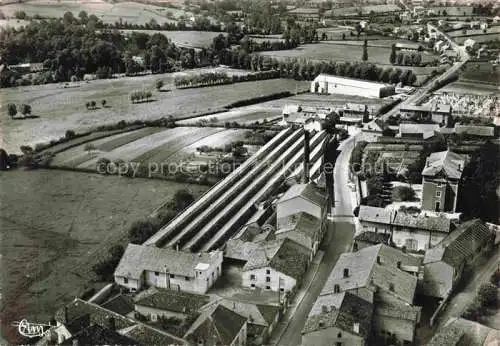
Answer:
x=327 y=84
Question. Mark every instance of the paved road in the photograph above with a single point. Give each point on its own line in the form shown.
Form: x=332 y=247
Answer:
x=337 y=241
x=459 y=303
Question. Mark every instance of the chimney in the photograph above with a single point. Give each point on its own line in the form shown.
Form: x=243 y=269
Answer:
x=346 y=272
x=460 y=167
x=111 y=323
x=75 y=341
x=65 y=314
x=355 y=327
x=305 y=173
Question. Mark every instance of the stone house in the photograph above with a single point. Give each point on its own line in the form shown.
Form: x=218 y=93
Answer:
x=218 y=326
x=444 y=264
x=442 y=175
x=302 y=198
x=338 y=319
x=276 y=266
x=145 y=266
x=385 y=277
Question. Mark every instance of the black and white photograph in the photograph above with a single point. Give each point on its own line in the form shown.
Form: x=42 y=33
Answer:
x=250 y=172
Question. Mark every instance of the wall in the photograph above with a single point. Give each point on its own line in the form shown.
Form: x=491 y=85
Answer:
x=241 y=338
x=330 y=336
x=297 y=205
x=421 y=238
x=438 y=279
x=287 y=282
x=403 y=329
x=149 y=312
x=131 y=285
x=301 y=239
x=364 y=293
x=447 y=200
x=375 y=227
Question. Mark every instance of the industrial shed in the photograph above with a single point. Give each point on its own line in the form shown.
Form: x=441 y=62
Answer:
x=327 y=84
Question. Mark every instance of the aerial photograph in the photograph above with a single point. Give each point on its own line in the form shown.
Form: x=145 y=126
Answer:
x=250 y=172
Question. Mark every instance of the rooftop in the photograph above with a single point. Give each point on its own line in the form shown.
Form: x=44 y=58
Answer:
x=263 y=315
x=474 y=130
x=138 y=258
x=302 y=222
x=359 y=83
x=374 y=214
x=460 y=244
x=459 y=331
x=307 y=191
x=217 y=322
x=447 y=162
x=342 y=310
x=170 y=300
x=283 y=255
x=373 y=238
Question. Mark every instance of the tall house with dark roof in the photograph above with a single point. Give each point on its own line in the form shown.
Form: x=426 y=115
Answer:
x=445 y=263
x=144 y=266
x=385 y=277
x=442 y=175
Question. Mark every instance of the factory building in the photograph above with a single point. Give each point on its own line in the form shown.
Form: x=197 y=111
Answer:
x=326 y=84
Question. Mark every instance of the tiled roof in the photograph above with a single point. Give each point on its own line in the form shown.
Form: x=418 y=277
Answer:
x=428 y=223
x=96 y=334
x=484 y=131
x=450 y=163
x=398 y=310
x=459 y=331
x=460 y=244
x=263 y=315
x=340 y=310
x=304 y=223
x=374 y=238
x=364 y=271
x=218 y=322
x=283 y=255
x=374 y=214
x=92 y=314
x=307 y=191
x=170 y=300
x=138 y=258
x=239 y=249
x=121 y=304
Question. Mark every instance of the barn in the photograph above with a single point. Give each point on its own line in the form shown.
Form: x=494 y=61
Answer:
x=327 y=84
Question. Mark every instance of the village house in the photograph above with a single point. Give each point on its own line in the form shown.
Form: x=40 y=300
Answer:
x=218 y=326
x=144 y=266
x=444 y=264
x=80 y=322
x=403 y=230
x=385 y=277
x=156 y=302
x=301 y=120
x=302 y=198
x=261 y=318
x=438 y=113
x=276 y=266
x=470 y=43
x=442 y=175
x=338 y=319
x=355 y=113
x=303 y=228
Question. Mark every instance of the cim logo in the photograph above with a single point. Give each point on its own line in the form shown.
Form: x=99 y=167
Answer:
x=31 y=330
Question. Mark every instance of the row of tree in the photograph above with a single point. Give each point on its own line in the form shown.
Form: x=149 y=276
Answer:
x=405 y=59
x=140 y=96
x=13 y=110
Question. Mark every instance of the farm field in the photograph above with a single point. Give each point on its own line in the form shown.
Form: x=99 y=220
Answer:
x=147 y=147
x=56 y=225
x=478 y=38
x=131 y=12
x=470 y=88
x=479 y=32
x=481 y=72
x=188 y=39
x=347 y=11
x=59 y=109
x=243 y=115
x=378 y=51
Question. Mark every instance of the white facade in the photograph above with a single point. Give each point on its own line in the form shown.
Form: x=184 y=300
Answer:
x=347 y=86
x=268 y=279
x=297 y=205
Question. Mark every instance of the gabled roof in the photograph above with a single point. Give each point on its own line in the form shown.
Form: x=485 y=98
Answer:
x=302 y=222
x=448 y=162
x=263 y=315
x=427 y=130
x=459 y=331
x=96 y=334
x=427 y=223
x=283 y=255
x=460 y=244
x=373 y=238
x=170 y=300
x=240 y=249
x=81 y=314
x=138 y=258
x=121 y=304
x=364 y=271
x=341 y=310
x=217 y=322
x=307 y=191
